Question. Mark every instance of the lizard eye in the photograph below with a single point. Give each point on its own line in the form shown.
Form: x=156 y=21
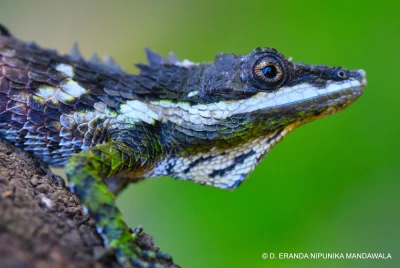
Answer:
x=270 y=72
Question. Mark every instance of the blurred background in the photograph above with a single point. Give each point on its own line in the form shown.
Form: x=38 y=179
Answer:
x=330 y=186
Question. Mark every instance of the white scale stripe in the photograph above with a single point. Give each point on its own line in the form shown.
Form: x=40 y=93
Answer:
x=66 y=69
x=263 y=100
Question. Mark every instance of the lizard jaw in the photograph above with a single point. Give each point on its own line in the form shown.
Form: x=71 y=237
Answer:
x=351 y=88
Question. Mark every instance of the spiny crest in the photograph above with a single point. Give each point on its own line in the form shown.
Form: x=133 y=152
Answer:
x=155 y=61
x=75 y=53
x=4 y=31
x=108 y=65
x=95 y=59
x=110 y=62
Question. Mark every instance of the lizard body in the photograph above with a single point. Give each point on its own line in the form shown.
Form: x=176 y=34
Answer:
x=210 y=122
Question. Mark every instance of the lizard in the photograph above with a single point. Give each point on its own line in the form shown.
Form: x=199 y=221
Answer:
x=210 y=122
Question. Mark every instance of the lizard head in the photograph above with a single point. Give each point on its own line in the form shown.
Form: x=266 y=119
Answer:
x=238 y=107
x=264 y=80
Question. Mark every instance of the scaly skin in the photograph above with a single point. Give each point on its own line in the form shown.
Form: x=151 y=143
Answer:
x=211 y=123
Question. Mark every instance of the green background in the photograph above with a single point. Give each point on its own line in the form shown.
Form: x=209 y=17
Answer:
x=331 y=186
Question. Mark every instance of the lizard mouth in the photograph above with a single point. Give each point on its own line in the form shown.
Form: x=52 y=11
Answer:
x=334 y=93
x=287 y=105
x=339 y=94
x=315 y=103
x=360 y=75
x=355 y=85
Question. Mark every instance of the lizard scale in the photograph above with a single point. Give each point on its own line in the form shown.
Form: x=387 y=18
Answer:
x=211 y=123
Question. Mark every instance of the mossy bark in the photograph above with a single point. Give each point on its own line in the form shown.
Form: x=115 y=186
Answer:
x=42 y=224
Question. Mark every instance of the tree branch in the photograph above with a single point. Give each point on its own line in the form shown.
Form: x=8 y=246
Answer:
x=41 y=223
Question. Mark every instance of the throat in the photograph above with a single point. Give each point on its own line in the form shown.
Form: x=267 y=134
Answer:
x=222 y=168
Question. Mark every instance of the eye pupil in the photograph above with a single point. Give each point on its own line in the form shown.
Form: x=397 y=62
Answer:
x=269 y=71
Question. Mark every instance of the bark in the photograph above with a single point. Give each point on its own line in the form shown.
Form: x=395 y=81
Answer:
x=41 y=223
